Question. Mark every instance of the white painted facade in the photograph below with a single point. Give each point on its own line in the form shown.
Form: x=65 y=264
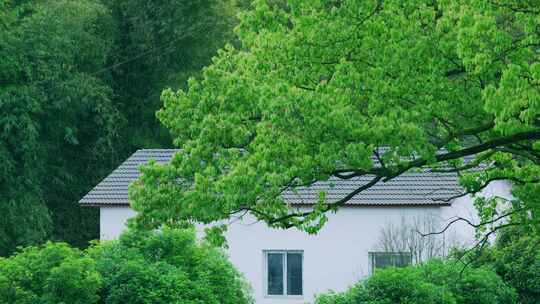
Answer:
x=333 y=259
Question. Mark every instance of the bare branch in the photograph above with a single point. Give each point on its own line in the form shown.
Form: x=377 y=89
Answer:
x=462 y=219
x=481 y=244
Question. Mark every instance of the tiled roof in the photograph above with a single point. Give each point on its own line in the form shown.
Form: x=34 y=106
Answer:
x=412 y=188
x=113 y=190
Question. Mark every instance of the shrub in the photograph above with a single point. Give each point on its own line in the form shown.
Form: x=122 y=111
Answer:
x=405 y=285
x=469 y=285
x=54 y=273
x=517 y=261
x=436 y=282
x=169 y=266
x=352 y=296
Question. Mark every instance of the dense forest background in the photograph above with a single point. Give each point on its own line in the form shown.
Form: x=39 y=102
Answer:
x=80 y=81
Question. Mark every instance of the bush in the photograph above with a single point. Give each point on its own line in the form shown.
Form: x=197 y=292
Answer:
x=351 y=296
x=469 y=285
x=141 y=267
x=436 y=282
x=516 y=259
x=54 y=273
x=407 y=286
x=167 y=267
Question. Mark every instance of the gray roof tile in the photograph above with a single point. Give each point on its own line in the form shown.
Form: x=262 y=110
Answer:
x=412 y=188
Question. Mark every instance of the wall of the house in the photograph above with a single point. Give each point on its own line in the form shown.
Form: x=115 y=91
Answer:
x=464 y=207
x=334 y=259
x=113 y=220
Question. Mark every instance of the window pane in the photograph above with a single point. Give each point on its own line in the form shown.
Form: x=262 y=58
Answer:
x=383 y=260
x=294 y=273
x=403 y=259
x=388 y=259
x=275 y=273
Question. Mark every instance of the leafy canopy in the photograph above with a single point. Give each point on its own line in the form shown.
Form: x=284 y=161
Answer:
x=159 y=44
x=56 y=115
x=317 y=87
x=79 y=87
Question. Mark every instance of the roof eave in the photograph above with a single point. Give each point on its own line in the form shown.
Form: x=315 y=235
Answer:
x=442 y=204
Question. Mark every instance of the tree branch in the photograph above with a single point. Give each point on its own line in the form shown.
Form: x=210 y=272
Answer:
x=467 y=221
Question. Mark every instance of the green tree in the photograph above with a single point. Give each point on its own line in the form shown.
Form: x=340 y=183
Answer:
x=58 y=124
x=160 y=44
x=405 y=286
x=317 y=89
x=518 y=263
x=79 y=85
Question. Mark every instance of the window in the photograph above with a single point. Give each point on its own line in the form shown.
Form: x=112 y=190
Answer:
x=283 y=273
x=379 y=260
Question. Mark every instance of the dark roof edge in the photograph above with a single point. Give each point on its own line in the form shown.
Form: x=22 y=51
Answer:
x=441 y=204
x=93 y=205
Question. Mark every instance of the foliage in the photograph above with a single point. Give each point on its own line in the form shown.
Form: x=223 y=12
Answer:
x=516 y=258
x=55 y=273
x=58 y=120
x=317 y=89
x=433 y=282
x=469 y=285
x=406 y=285
x=159 y=44
x=352 y=296
x=79 y=85
x=517 y=261
x=165 y=267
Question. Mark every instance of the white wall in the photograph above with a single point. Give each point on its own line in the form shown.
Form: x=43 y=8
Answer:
x=464 y=207
x=335 y=258
x=112 y=221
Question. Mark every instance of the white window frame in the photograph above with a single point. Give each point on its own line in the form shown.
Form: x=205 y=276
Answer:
x=372 y=254
x=265 y=274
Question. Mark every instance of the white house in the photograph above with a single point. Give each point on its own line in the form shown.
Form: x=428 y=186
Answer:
x=290 y=266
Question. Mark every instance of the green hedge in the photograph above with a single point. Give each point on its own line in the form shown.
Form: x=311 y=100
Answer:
x=142 y=267
x=436 y=282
